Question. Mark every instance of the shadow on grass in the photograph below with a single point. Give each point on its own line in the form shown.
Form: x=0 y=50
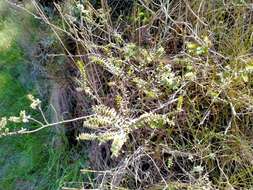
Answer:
x=27 y=162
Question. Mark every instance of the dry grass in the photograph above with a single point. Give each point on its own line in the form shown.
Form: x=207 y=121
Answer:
x=177 y=77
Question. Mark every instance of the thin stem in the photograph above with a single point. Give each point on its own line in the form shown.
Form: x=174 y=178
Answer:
x=24 y=131
x=43 y=115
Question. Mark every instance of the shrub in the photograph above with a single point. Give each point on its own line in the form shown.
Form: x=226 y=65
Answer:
x=170 y=88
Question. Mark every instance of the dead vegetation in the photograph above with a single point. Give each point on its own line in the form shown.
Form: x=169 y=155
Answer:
x=169 y=84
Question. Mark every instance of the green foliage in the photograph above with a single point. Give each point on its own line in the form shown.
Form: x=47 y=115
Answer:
x=31 y=161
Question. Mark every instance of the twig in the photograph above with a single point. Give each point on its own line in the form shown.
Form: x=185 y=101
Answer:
x=24 y=131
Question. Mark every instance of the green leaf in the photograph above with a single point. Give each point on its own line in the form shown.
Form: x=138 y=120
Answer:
x=180 y=103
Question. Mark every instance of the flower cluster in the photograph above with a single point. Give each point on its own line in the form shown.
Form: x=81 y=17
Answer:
x=35 y=101
x=23 y=118
x=3 y=129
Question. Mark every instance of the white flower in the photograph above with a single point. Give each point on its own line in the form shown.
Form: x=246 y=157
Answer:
x=30 y=97
x=117 y=143
x=3 y=123
x=23 y=117
x=35 y=102
x=198 y=169
x=14 y=119
x=190 y=157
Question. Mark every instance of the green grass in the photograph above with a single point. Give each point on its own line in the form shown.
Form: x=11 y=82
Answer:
x=30 y=161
